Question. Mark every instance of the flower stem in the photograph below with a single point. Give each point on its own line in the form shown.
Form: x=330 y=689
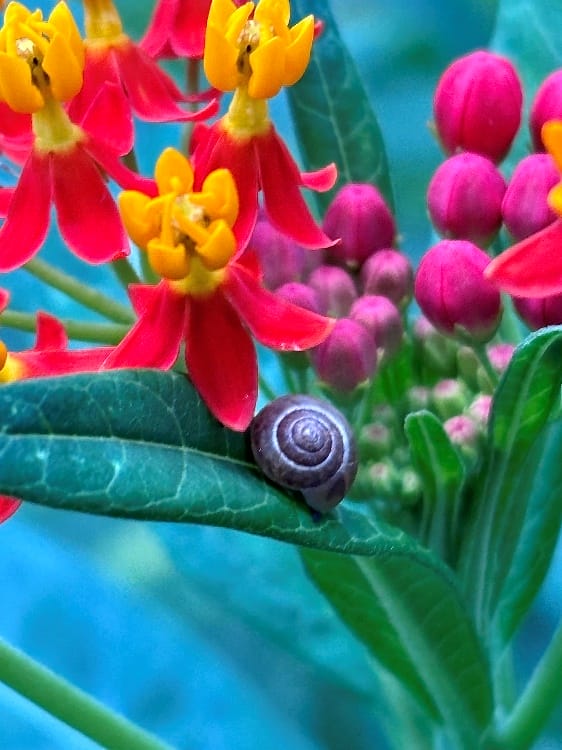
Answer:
x=539 y=699
x=79 y=291
x=98 y=333
x=71 y=705
x=125 y=272
x=481 y=354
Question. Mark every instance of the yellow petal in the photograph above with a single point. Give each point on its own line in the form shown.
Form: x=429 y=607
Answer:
x=551 y=134
x=297 y=55
x=173 y=172
x=220 y=11
x=219 y=60
x=63 y=69
x=169 y=261
x=18 y=12
x=140 y=225
x=219 y=248
x=268 y=67
x=219 y=196
x=273 y=12
x=63 y=20
x=3 y=354
x=16 y=88
x=555 y=199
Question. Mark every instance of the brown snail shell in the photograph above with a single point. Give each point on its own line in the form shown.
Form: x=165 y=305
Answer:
x=306 y=444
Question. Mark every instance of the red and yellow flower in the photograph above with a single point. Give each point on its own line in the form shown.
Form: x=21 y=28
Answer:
x=210 y=296
x=177 y=29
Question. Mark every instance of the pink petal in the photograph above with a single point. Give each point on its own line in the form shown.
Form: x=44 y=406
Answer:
x=155 y=339
x=50 y=362
x=51 y=333
x=274 y=322
x=321 y=180
x=532 y=267
x=156 y=41
x=152 y=93
x=123 y=176
x=280 y=181
x=104 y=112
x=88 y=217
x=28 y=215
x=177 y=29
x=221 y=361
x=6 y=195
x=8 y=506
x=4 y=299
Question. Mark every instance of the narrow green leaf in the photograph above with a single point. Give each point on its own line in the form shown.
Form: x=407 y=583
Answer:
x=442 y=472
x=524 y=400
x=406 y=608
x=332 y=114
x=540 y=479
x=141 y=444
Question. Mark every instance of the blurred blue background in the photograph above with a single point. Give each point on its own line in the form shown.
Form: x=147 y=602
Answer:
x=211 y=639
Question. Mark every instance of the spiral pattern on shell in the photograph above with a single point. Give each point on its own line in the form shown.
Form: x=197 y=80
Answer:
x=304 y=443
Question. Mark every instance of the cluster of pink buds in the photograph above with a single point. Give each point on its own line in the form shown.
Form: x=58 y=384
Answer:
x=362 y=281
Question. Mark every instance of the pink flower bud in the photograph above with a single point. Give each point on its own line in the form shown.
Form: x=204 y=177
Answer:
x=347 y=357
x=382 y=318
x=464 y=198
x=500 y=355
x=360 y=217
x=546 y=105
x=477 y=105
x=281 y=259
x=335 y=289
x=452 y=292
x=388 y=273
x=450 y=397
x=375 y=441
x=525 y=209
x=539 y=312
x=299 y=294
x=464 y=433
x=479 y=410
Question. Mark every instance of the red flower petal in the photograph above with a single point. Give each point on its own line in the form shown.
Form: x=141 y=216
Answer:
x=51 y=333
x=280 y=181
x=102 y=109
x=6 y=195
x=27 y=219
x=177 y=29
x=532 y=267
x=8 y=506
x=87 y=215
x=155 y=339
x=274 y=322
x=4 y=299
x=124 y=177
x=221 y=361
x=50 y=362
x=157 y=41
x=321 y=180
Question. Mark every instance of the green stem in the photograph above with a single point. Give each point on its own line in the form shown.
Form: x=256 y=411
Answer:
x=125 y=272
x=541 y=696
x=71 y=705
x=481 y=354
x=79 y=291
x=98 y=333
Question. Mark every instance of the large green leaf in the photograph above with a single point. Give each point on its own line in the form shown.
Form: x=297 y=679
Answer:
x=524 y=400
x=332 y=113
x=141 y=444
x=442 y=472
x=410 y=615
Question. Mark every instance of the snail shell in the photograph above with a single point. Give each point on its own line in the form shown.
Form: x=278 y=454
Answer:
x=304 y=443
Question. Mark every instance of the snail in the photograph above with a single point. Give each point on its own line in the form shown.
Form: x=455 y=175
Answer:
x=303 y=443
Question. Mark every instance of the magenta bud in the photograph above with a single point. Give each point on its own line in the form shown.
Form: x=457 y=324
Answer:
x=540 y=312
x=299 y=294
x=546 y=105
x=479 y=410
x=464 y=198
x=500 y=355
x=281 y=259
x=525 y=209
x=335 y=289
x=477 y=105
x=359 y=216
x=452 y=292
x=464 y=433
x=347 y=357
x=381 y=317
x=388 y=273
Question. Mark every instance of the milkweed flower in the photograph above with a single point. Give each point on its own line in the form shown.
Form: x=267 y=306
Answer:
x=252 y=51
x=533 y=267
x=146 y=90
x=210 y=297
x=177 y=29
x=41 y=66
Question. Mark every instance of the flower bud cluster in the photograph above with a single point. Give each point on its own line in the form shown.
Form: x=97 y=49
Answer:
x=362 y=281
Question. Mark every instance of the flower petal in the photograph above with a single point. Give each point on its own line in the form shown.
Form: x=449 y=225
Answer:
x=51 y=362
x=155 y=339
x=27 y=219
x=51 y=334
x=123 y=176
x=280 y=181
x=322 y=179
x=87 y=215
x=532 y=267
x=221 y=361
x=274 y=322
x=4 y=299
x=8 y=506
x=6 y=195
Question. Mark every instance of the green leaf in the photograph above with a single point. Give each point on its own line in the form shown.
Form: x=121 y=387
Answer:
x=141 y=444
x=442 y=472
x=524 y=400
x=540 y=479
x=332 y=114
x=406 y=608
